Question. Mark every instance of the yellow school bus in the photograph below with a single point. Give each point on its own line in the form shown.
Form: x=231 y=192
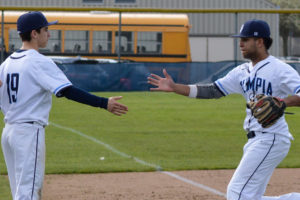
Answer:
x=143 y=38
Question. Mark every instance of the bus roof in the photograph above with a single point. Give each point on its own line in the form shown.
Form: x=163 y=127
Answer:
x=107 y=18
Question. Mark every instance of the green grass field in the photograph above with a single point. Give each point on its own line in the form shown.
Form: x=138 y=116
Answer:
x=163 y=129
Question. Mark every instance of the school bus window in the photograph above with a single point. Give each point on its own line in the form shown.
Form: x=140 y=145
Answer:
x=54 y=43
x=76 y=41
x=149 y=42
x=14 y=40
x=102 y=41
x=126 y=42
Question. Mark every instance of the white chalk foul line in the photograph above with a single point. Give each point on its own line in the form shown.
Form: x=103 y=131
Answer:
x=107 y=146
x=157 y=167
x=204 y=187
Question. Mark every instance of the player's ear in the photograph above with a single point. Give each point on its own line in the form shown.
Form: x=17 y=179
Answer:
x=34 y=34
x=260 y=42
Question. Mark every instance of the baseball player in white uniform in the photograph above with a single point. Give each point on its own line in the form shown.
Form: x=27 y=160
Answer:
x=29 y=80
x=264 y=74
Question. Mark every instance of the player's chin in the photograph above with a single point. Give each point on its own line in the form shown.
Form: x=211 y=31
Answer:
x=245 y=54
x=42 y=45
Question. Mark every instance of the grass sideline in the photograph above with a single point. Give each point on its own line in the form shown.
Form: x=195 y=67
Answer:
x=172 y=131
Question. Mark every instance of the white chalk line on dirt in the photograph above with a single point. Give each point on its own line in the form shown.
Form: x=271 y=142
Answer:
x=157 y=167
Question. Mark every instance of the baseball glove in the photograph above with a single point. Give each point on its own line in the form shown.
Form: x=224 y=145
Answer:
x=266 y=109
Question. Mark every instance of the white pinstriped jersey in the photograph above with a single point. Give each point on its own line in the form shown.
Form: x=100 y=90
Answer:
x=29 y=79
x=271 y=77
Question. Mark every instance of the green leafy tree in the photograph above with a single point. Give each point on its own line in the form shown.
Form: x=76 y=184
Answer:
x=289 y=23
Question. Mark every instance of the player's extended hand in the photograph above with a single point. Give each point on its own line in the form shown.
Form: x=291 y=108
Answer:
x=115 y=107
x=163 y=84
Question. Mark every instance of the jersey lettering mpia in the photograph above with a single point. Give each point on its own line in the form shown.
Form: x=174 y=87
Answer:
x=255 y=84
x=270 y=77
x=29 y=80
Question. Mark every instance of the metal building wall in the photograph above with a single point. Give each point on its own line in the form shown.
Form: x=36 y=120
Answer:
x=203 y=25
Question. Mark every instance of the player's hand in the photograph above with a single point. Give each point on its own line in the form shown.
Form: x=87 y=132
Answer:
x=115 y=107
x=0 y=83
x=163 y=84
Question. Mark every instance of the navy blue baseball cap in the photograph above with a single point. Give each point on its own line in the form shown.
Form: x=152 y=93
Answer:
x=254 y=28
x=31 y=21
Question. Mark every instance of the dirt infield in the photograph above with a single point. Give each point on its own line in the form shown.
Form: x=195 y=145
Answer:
x=156 y=185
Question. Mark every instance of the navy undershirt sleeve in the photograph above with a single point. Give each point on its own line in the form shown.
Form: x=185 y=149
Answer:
x=81 y=96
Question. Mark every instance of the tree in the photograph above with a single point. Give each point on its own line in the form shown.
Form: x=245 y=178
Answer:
x=289 y=23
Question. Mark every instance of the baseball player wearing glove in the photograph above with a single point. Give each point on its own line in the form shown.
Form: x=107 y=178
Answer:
x=267 y=110
x=29 y=80
x=268 y=86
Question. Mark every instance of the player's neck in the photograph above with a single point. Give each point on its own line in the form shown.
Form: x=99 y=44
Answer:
x=29 y=45
x=259 y=58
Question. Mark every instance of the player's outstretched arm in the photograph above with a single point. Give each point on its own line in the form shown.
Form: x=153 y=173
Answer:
x=115 y=107
x=167 y=84
x=81 y=96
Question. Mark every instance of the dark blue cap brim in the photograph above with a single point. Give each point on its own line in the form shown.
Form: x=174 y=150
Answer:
x=52 y=23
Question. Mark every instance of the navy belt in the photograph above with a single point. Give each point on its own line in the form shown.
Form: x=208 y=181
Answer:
x=251 y=134
x=32 y=122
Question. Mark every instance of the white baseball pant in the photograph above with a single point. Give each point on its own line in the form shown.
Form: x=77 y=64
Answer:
x=262 y=154
x=23 y=147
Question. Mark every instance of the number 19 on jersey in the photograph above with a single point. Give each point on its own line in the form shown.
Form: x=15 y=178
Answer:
x=12 y=81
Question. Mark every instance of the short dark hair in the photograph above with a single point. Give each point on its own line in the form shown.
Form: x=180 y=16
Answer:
x=268 y=42
x=27 y=36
